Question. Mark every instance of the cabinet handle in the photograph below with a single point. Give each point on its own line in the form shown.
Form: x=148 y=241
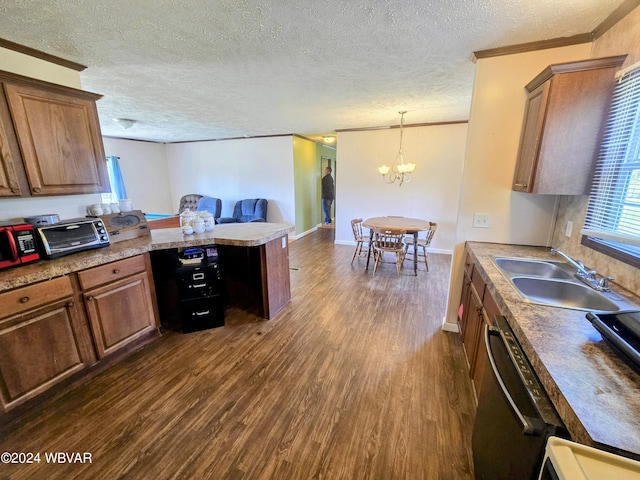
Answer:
x=520 y=185
x=24 y=299
x=116 y=271
x=36 y=190
x=70 y=304
x=89 y=298
x=15 y=190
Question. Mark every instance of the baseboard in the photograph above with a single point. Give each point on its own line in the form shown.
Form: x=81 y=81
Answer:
x=450 y=327
x=300 y=235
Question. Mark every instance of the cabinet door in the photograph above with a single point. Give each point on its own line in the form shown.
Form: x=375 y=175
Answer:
x=472 y=331
x=530 y=138
x=464 y=303
x=489 y=310
x=120 y=313
x=59 y=135
x=9 y=154
x=39 y=349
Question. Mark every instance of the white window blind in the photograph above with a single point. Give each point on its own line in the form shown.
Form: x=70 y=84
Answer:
x=613 y=213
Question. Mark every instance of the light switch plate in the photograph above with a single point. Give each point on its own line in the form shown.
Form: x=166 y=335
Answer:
x=481 y=220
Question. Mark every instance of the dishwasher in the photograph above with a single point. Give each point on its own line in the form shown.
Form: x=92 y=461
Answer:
x=515 y=417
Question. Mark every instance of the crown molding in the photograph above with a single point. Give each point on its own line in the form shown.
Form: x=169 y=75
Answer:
x=32 y=52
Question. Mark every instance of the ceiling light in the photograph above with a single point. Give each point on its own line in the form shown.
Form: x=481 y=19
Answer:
x=399 y=171
x=125 y=122
x=329 y=139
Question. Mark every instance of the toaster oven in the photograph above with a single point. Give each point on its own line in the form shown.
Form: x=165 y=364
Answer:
x=71 y=236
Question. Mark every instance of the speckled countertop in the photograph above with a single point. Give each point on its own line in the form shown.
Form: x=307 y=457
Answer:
x=240 y=234
x=596 y=394
x=237 y=234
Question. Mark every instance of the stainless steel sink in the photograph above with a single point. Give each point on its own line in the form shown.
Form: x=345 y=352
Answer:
x=538 y=268
x=562 y=293
x=552 y=283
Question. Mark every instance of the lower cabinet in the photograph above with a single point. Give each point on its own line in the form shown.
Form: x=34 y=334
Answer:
x=43 y=340
x=478 y=308
x=120 y=303
x=53 y=330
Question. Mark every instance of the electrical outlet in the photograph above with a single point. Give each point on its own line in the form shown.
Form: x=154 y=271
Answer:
x=481 y=220
x=567 y=231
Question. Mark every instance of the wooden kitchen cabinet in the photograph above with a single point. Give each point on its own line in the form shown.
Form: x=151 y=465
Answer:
x=58 y=134
x=565 y=113
x=479 y=307
x=43 y=340
x=120 y=302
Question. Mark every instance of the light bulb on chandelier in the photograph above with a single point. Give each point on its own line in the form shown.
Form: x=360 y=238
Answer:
x=399 y=171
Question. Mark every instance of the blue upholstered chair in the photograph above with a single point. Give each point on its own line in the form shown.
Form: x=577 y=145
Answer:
x=248 y=210
x=211 y=205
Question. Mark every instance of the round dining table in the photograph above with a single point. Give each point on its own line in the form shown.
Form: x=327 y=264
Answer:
x=410 y=225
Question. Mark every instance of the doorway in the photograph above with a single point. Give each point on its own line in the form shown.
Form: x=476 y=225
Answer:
x=327 y=161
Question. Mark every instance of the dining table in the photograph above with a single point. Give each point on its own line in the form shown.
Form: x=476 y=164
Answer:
x=411 y=225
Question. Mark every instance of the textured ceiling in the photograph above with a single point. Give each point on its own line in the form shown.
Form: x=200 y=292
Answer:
x=190 y=70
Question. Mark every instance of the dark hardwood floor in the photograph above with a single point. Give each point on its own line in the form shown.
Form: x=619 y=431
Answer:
x=353 y=380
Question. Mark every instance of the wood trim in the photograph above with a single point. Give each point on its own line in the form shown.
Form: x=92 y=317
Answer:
x=434 y=124
x=571 y=67
x=533 y=46
x=9 y=77
x=617 y=15
x=610 y=251
x=245 y=137
x=32 y=52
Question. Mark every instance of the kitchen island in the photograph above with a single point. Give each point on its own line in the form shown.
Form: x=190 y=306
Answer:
x=595 y=393
x=254 y=259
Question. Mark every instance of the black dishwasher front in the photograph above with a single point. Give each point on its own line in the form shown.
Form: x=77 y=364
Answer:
x=514 y=416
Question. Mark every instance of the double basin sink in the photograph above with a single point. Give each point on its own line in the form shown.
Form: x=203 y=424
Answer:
x=551 y=283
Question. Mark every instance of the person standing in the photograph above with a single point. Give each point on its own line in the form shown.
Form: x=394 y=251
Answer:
x=328 y=195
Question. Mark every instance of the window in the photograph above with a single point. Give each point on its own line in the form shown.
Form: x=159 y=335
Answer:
x=612 y=224
x=116 y=182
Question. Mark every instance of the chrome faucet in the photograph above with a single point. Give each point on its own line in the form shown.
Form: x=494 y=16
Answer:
x=586 y=275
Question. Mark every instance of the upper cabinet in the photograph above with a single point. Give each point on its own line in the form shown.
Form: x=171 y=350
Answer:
x=50 y=140
x=565 y=113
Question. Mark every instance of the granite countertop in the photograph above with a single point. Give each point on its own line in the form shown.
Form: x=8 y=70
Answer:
x=249 y=234
x=239 y=234
x=596 y=394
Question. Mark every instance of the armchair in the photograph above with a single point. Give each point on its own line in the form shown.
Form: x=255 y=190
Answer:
x=248 y=210
x=211 y=205
x=189 y=201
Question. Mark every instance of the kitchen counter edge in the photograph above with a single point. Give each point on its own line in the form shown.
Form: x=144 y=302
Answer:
x=242 y=235
x=577 y=368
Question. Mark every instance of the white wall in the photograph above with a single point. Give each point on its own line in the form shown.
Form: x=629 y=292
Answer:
x=497 y=110
x=21 y=64
x=432 y=194
x=145 y=173
x=232 y=170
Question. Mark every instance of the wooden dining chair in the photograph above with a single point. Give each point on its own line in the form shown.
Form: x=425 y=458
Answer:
x=423 y=243
x=360 y=239
x=388 y=241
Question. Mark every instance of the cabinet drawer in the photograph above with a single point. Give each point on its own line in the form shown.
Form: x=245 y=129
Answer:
x=111 y=272
x=34 y=296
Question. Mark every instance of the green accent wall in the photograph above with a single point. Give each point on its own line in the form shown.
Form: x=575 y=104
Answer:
x=307 y=174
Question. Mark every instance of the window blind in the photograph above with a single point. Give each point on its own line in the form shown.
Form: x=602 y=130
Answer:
x=613 y=213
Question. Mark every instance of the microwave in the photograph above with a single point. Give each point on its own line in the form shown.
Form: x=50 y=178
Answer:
x=17 y=245
x=71 y=236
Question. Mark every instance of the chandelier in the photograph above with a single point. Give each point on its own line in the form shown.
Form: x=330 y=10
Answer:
x=399 y=171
